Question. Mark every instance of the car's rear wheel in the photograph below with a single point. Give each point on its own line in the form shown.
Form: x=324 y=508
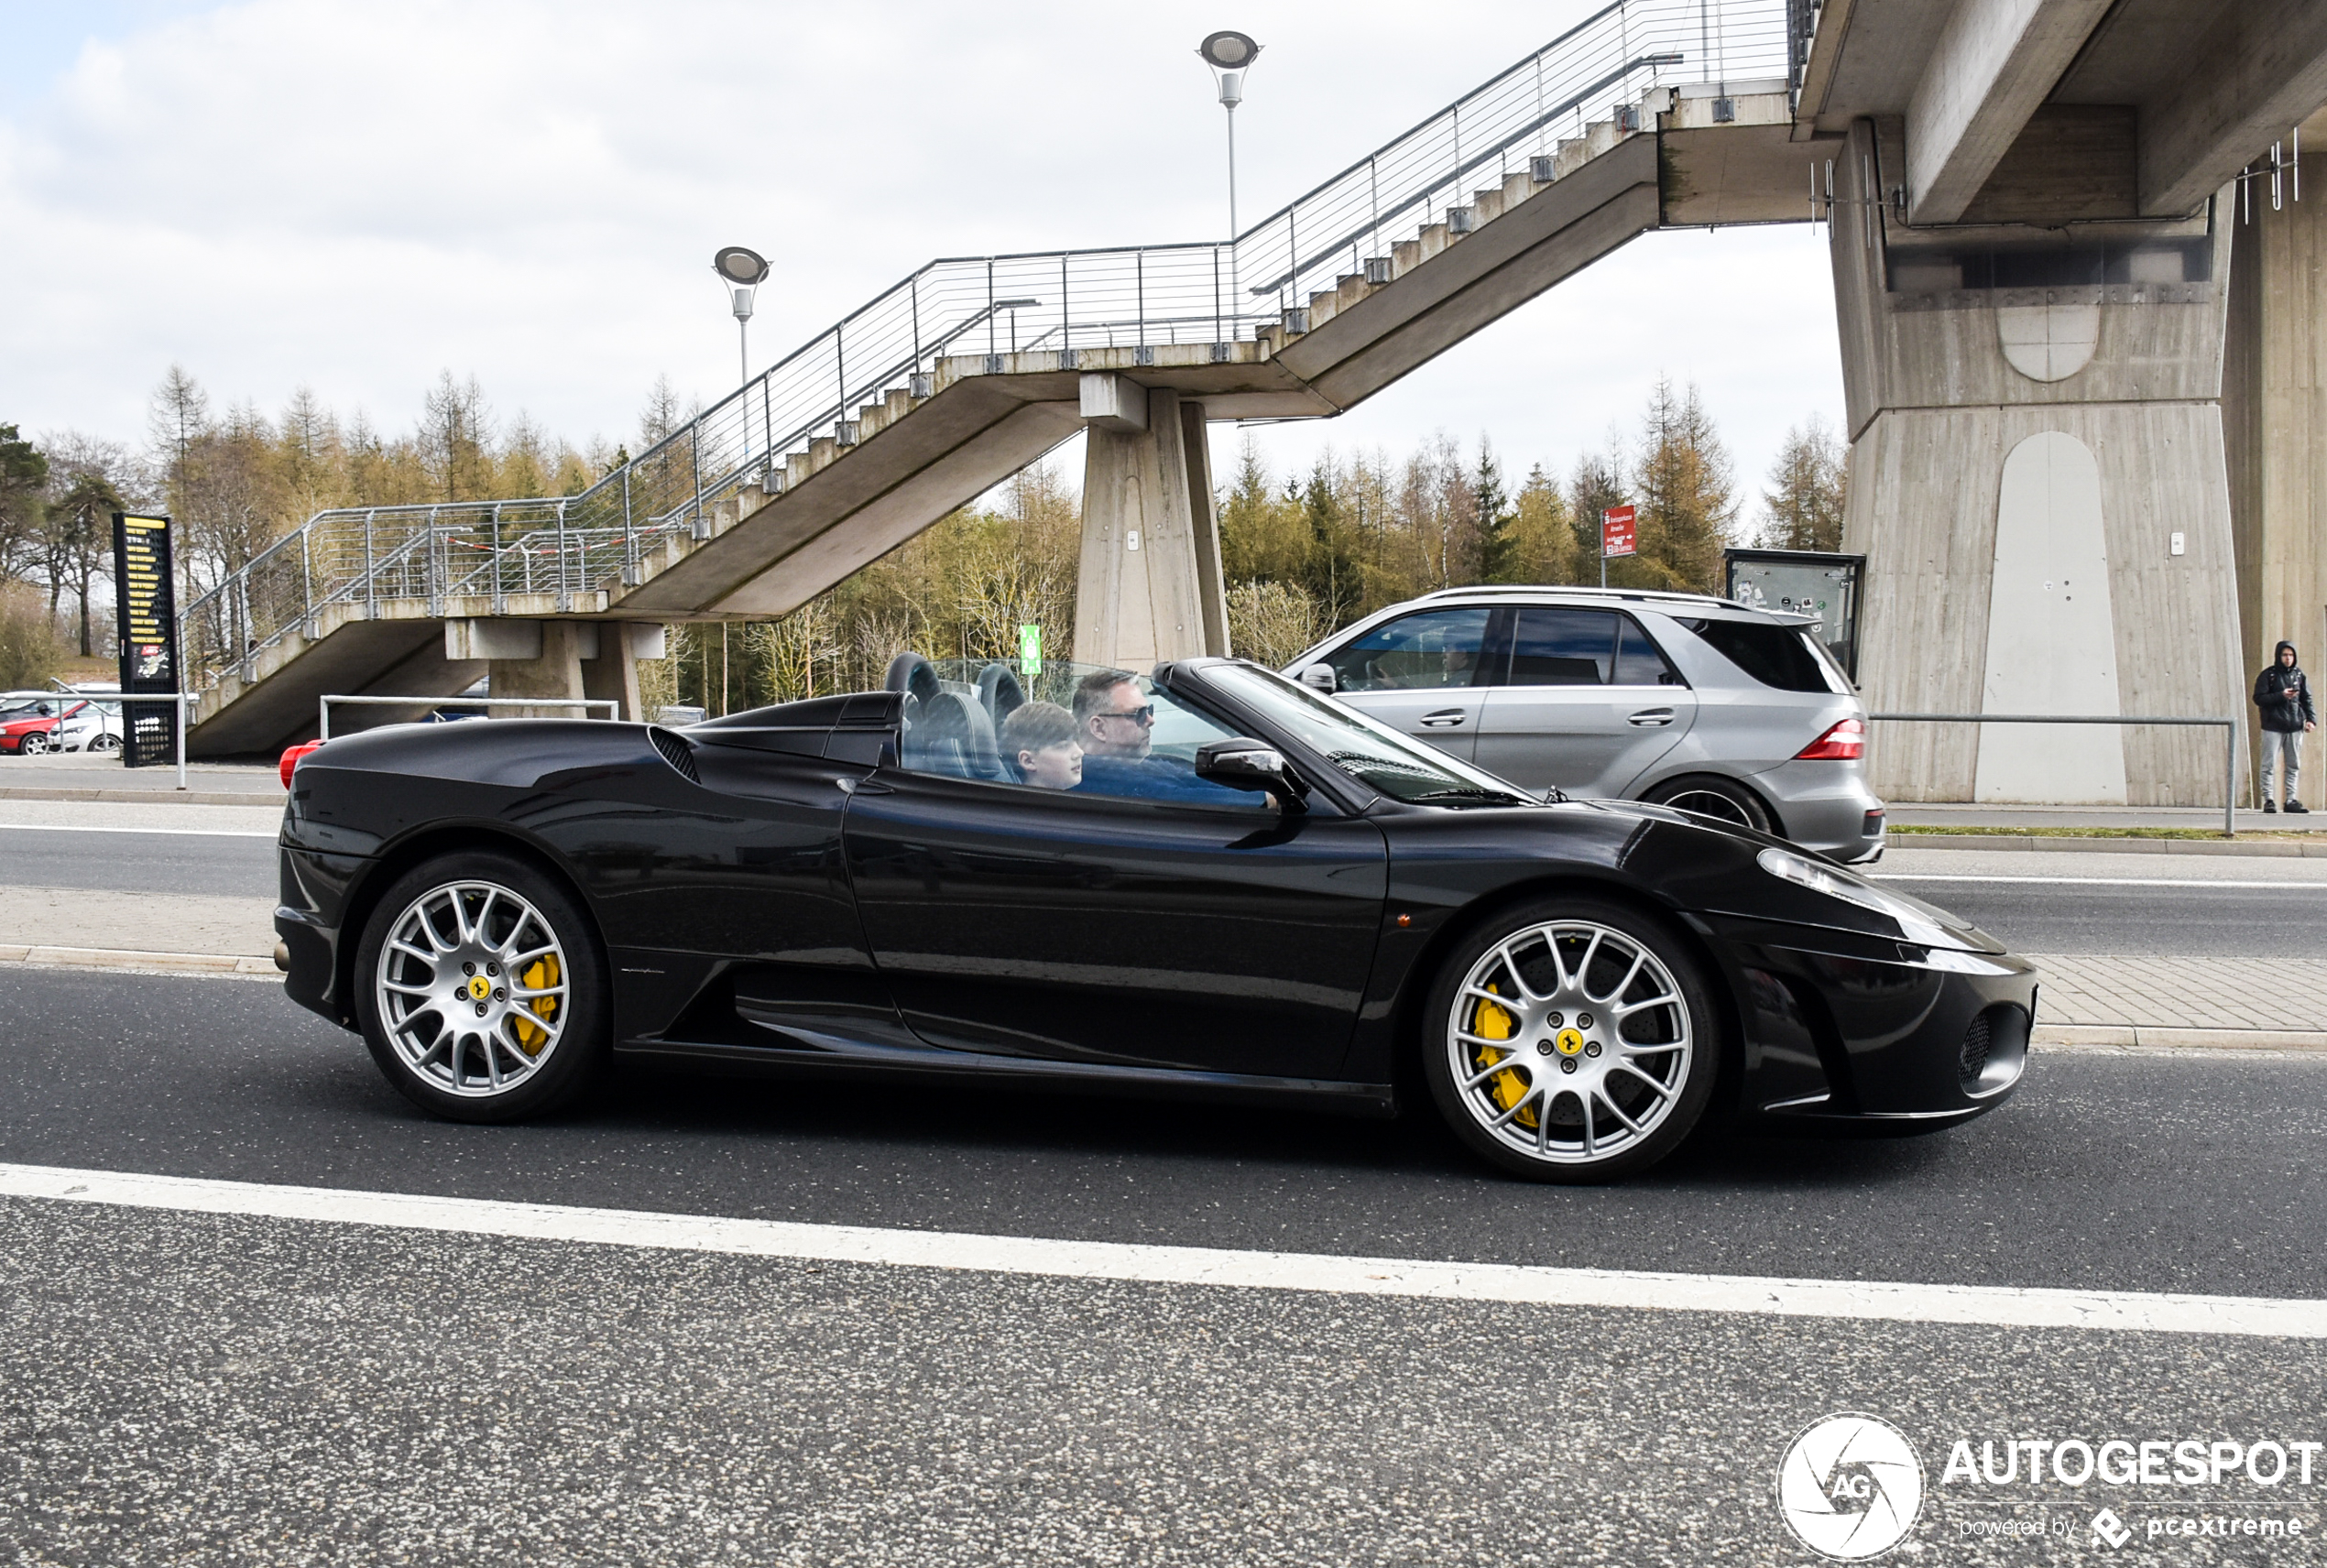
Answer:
x=1711 y=796
x=1571 y=1039
x=483 y=998
x=38 y=744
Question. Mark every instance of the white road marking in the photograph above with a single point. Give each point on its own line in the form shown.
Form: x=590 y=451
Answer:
x=1622 y=1289
x=178 y=832
x=2092 y=881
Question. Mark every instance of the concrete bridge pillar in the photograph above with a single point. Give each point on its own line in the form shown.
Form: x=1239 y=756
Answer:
x=1150 y=587
x=557 y=658
x=2036 y=480
x=2273 y=405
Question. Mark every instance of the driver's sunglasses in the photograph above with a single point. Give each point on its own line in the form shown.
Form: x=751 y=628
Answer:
x=1141 y=715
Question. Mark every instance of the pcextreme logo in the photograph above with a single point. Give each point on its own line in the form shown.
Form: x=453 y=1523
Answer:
x=1849 y=1487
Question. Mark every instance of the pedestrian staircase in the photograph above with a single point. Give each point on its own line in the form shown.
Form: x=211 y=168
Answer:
x=1650 y=114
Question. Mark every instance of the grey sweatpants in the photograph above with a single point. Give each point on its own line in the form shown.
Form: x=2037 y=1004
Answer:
x=2282 y=745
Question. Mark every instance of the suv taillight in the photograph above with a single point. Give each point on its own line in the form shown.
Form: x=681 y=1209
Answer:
x=1846 y=742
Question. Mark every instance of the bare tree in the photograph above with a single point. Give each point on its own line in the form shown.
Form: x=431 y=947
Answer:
x=1808 y=488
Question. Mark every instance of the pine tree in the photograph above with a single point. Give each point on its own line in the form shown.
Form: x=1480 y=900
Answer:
x=1597 y=485
x=1498 y=553
x=1687 y=506
x=1809 y=484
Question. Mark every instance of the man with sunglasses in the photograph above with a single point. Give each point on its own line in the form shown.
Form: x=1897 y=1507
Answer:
x=1115 y=724
x=1112 y=718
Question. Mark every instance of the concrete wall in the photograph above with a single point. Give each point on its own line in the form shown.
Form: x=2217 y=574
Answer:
x=1937 y=408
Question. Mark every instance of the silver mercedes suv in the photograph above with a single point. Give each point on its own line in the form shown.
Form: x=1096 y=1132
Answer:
x=1681 y=699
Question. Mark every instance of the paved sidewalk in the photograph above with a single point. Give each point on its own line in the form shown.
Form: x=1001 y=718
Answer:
x=1968 y=814
x=2228 y=1002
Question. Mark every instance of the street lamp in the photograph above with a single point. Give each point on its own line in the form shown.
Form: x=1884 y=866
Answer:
x=1230 y=55
x=742 y=271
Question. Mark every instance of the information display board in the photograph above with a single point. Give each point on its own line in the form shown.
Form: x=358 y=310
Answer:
x=1804 y=583
x=145 y=611
x=1616 y=532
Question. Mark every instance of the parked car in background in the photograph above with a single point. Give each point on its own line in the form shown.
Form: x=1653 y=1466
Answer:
x=91 y=726
x=28 y=722
x=1682 y=699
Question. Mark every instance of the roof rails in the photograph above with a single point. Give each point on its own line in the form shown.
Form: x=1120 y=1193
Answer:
x=1610 y=592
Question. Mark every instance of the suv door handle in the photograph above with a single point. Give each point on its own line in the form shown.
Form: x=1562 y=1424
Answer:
x=1445 y=718
x=1651 y=718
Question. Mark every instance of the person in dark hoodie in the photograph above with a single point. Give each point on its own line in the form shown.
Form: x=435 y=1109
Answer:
x=2284 y=696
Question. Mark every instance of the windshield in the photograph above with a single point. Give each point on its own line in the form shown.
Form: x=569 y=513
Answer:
x=1375 y=756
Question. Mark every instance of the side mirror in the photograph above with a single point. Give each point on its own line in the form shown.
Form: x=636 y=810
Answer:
x=1320 y=678
x=1246 y=764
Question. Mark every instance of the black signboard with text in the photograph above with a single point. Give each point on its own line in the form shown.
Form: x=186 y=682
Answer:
x=145 y=611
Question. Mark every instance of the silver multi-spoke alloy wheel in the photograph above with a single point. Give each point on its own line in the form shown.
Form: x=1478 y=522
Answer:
x=473 y=989
x=1570 y=1042
x=1710 y=803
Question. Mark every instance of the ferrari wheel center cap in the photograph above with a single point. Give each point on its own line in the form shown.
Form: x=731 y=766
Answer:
x=479 y=988
x=1570 y=1042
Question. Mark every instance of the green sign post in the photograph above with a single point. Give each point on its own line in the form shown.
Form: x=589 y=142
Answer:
x=1029 y=650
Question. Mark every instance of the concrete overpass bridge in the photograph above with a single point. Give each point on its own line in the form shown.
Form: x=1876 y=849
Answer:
x=2028 y=242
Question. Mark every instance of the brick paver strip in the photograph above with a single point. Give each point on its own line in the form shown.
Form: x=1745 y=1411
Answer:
x=2284 y=996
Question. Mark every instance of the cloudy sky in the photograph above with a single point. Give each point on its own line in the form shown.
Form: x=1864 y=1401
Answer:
x=357 y=196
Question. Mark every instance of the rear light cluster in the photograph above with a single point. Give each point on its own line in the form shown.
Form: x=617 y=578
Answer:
x=292 y=757
x=1846 y=742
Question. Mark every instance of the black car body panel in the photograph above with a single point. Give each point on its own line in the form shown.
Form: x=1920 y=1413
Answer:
x=774 y=889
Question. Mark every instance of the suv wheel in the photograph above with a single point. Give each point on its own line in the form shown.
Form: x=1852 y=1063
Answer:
x=1711 y=796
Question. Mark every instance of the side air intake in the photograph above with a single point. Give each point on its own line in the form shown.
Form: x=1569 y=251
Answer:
x=675 y=752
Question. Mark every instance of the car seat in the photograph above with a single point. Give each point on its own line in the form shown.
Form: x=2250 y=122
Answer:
x=999 y=691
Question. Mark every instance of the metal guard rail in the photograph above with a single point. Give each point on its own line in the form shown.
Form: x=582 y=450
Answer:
x=2229 y=743
x=1117 y=297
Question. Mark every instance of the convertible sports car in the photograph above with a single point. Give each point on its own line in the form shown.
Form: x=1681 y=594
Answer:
x=1223 y=884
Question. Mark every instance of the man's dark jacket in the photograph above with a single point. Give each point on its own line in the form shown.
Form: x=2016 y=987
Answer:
x=2281 y=714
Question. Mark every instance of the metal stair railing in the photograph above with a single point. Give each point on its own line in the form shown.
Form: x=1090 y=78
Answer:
x=1048 y=302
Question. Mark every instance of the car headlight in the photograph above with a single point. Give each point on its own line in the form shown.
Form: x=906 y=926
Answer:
x=1914 y=925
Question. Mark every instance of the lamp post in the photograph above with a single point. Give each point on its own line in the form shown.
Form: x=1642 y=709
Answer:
x=741 y=269
x=1230 y=55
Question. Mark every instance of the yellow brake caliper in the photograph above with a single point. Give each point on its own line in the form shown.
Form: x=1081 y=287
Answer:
x=532 y=1037
x=1506 y=1089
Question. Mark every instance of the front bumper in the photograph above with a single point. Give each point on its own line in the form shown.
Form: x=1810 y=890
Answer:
x=1844 y=1027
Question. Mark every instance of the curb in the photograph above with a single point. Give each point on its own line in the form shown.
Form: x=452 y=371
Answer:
x=145 y=962
x=2283 y=849
x=2074 y=1036
x=143 y=797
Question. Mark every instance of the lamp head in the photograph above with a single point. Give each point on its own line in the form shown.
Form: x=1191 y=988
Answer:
x=739 y=266
x=1228 y=52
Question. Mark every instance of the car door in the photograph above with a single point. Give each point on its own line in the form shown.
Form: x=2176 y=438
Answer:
x=1587 y=706
x=1424 y=674
x=1171 y=931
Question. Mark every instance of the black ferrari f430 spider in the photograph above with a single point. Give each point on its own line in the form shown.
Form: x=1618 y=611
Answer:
x=1205 y=881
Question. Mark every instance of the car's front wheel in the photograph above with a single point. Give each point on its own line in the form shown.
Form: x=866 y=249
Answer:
x=107 y=743
x=1571 y=1039
x=484 y=998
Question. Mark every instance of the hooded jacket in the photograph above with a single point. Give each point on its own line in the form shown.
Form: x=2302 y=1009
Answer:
x=2281 y=714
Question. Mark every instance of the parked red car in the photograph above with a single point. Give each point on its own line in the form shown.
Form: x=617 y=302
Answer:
x=28 y=729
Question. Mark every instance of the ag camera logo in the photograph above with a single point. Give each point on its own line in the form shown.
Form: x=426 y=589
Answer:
x=1849 y=1487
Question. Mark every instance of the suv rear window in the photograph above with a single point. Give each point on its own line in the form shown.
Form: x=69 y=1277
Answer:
x=1774 y=656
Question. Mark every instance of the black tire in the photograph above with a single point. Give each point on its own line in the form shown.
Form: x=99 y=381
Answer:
x=570 y=1061
x=107 y=743
x=1656 y=1066
x=36 y=744
x=1709 y=794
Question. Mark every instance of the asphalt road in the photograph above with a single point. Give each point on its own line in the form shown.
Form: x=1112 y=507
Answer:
x=214 y=1388
x=2177 y=922
x=138 y=862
